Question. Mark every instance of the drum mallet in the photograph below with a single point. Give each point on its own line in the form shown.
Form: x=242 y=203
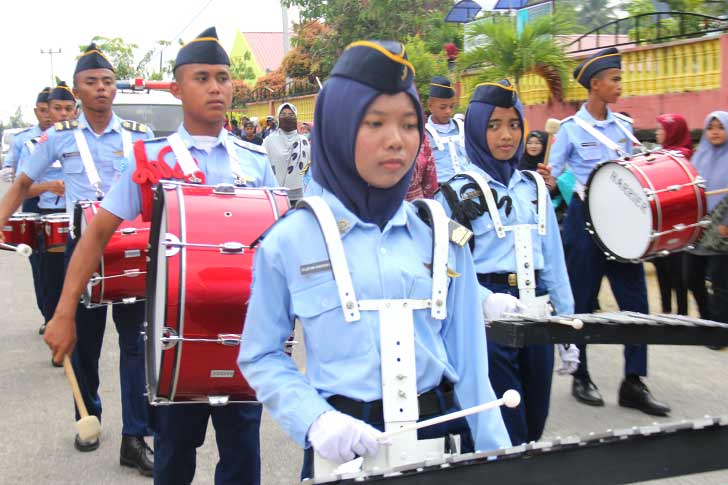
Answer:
x=511 y=398
x=20 y=249
x=575 y=323
x=552 y=126
x=88 y=427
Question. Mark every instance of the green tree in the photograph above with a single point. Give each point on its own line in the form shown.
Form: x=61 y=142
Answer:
x=590 y=14
x=425 y=63
x=241 y=67
x=16 y=120
x=120 y=54
x=667 y=26
x=503 y=54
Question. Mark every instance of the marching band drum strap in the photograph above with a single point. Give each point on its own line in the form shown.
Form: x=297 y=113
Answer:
x=541 y=190
x=629 y=134
x=88 y=161
x=489 y=201
x=126 y=143
x=30 y=146
x=337 y=257
x=182 y=154
x=441 y=141
x=233 y=159
x=440 y=253
x=603 y=139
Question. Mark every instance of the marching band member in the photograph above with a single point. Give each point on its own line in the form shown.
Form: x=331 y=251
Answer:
x=445 y=133
x=503 y=205
x=363 y=164
x=91 y=151
x=49 y=188
x=593 y=135
x=203 y=83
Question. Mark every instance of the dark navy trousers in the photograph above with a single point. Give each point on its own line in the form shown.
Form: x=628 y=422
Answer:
x=587 y=265
x=528 y=370
x=90 y=327
x=180 y=429
x=31 y=205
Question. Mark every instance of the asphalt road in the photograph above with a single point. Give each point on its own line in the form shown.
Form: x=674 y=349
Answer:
x=37 y=427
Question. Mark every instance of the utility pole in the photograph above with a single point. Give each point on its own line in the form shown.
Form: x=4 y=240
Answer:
x=50 y=53
x=286 y=39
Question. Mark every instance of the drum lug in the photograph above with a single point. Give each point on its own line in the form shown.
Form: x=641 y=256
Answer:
x=129 y=301
x=228 y=339
x=95 y=279
x=232 y=248
x=169 y=338
x=128 y=231
x=218 y=400
x=224 y=189
x=172 y=243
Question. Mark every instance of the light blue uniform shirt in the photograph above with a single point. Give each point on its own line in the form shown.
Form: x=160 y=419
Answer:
x=106 y=150
x=443 y=162
x=124 y=200
x=494 y=255
x=17 y=145
x=580 y=151
x=344 y=358
x=47 y=200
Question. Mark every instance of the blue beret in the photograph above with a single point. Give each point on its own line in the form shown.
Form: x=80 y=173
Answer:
x=440 y=87
x=92 y=58
x=605 y=59
x=62 y=93
x=381 y=65
x=500 y=94
x=205 y=49
x=43 y=96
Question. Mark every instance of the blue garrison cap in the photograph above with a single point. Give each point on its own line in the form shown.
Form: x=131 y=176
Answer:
x=92 y=58
x=381 y=65
x=440 y=87
x=501 y=94
x=62 y=93
x=205 y=49
x=605 y=59
x=43 y=96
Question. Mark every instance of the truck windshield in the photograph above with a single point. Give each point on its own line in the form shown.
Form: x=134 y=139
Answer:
x=162 y=119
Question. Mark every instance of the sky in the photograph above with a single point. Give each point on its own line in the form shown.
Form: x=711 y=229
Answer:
x=26 y=27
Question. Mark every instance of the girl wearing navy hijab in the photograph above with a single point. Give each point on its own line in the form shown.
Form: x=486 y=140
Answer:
x=368 y=129
x=494 y=142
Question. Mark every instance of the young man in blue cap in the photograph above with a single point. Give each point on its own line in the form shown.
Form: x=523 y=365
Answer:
x=578 y=146
x=446 y=134
x=50 y=190
x=203 y=83
x=92 y=153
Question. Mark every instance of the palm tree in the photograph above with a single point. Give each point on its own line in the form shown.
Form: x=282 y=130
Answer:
x=503 y=53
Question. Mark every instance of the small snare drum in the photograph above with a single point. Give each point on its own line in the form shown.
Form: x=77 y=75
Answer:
x=55 y=232
x=22 y=228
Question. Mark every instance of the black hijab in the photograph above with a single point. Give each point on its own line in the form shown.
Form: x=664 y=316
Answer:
x=529 y=162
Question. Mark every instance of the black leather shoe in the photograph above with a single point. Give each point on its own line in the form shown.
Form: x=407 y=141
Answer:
x=633 y=393
x=137 y=454
x=42 y=328
x=585 y=391
x=85 y=446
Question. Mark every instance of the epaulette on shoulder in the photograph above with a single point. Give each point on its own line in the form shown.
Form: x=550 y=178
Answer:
x=623 y=118
x=24 y=130
x=66 y=125
x=134 y=126
x=457 y=233
x=250 y=146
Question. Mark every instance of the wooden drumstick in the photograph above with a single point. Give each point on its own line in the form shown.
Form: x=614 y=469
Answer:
x=552 y=126
x=20 y=249
x=88 y=427
x=717 y=191
x=511 y=398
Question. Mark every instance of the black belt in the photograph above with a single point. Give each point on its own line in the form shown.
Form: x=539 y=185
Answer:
x=510 y=279
x=50 y=211
x=429 y=403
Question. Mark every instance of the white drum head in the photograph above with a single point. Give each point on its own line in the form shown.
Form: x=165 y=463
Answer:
x=620 y=213
x=156 y=326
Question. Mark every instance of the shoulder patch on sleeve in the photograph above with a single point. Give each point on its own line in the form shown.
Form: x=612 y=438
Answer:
x=134 y=126
x=250 y=146
x=66 y=125
x=459 y=234
x=623 y=118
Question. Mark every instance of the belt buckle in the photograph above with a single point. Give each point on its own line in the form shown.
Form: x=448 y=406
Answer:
x=512 y=279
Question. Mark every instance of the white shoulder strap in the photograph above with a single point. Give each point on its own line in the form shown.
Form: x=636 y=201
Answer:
x=337 y=257
x=182 y=154
x=126 y=142
x=624 y=129
x=30 y=146
x=234 y=161
x=601 y=137
x=88 y=161
x=541 y=192
x=461 y=131
x=489 y=201
x=435 y=136
x=440 y=252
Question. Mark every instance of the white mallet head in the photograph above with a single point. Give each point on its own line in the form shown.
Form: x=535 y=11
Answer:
x=24 y=250
x=552 y=126
x=577 y=324
x=88 y=428
x=511 y=398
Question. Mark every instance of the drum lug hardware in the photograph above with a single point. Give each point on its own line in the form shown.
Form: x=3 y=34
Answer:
x=224 y=189
x=129 y=301
x=218 y=400
x=232 y=248
x=228 y=339
x=227 y=214
x=128 y=231
x=169 y=338
x=172 y=243
x=95 y=279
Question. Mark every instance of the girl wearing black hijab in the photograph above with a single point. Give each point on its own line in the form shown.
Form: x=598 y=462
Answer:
x=535 y=150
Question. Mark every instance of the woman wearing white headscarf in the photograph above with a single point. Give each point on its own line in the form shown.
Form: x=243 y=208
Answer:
x=288 y=151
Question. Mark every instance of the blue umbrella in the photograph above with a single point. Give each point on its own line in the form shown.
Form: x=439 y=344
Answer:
x=510 y=4
x=462 y=12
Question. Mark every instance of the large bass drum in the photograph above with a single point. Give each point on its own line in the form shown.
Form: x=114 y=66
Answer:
x=645 y=206
x=198 y=285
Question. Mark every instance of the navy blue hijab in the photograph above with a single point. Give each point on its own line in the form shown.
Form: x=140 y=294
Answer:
x=340 y=107
x=486 y=98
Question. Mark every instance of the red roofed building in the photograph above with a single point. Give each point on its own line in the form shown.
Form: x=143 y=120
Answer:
x=265 y=48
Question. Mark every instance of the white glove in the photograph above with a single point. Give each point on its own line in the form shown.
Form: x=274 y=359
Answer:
x=338 y=437
x=569 y=355
x=6 y=174
x=499 y=303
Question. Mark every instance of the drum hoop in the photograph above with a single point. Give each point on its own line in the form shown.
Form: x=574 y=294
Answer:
x=699 y=197
x=182 y=289
x=655 y=205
